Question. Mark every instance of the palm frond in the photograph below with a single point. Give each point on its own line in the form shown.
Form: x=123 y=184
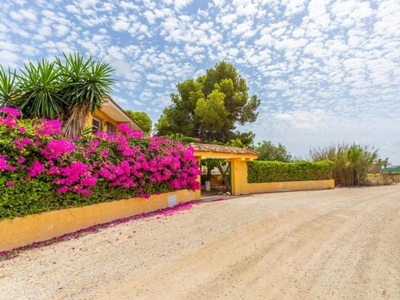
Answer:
x=7 y=87
x=87 y=84
x=38 y=90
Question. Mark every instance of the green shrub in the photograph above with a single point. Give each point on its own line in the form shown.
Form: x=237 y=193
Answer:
x=41 y=170
x=352 y=162
x=275 y=171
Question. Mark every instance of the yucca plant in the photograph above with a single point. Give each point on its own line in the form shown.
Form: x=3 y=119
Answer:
x=7 y=87
x=38 y=91
x=86 y=83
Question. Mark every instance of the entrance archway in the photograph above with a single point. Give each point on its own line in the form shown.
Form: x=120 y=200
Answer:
x=238 y=158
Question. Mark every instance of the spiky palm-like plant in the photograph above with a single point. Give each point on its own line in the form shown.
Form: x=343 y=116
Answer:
x=7 y=87
x=38 y=91
x=86 y=83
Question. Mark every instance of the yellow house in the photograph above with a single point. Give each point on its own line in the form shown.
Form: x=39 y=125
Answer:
x=109 y=117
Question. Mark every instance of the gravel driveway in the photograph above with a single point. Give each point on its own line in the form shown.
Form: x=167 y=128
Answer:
x=331 y=244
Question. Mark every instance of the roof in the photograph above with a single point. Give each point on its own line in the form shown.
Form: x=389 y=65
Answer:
x=111 y=108
x=205 y=151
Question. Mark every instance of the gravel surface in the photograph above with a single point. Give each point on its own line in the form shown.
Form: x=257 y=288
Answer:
x=331 y=244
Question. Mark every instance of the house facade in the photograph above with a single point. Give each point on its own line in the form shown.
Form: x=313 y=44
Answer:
x=109 y=117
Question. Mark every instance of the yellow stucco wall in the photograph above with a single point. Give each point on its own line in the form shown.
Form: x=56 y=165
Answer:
x=239 y=177
x=40 y=227
x=241 y=187
x=103 y=118
x=253 y=188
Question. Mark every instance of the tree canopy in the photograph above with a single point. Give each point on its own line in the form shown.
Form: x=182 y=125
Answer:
x=210 y=107
x=269 y=151
x=142 y=119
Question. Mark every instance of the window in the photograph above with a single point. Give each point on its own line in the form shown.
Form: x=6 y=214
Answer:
x=110 y=127
x=96 y=125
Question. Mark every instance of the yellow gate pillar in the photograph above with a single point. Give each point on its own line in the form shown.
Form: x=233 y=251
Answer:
x=197 y=193
x=239 y=176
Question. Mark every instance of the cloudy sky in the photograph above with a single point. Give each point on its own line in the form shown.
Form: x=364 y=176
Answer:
x=326 y=71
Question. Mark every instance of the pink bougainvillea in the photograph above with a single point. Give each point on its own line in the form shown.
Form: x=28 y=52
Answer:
x=10 y=184
x=12 y=112
x=48 y=127
x=130 y=133
x=35 y=169
x=122 y=160
x=22 y=143
x=4 y=165
x=56 y=148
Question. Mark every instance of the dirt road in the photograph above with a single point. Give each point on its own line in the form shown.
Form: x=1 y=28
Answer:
x=333 y=244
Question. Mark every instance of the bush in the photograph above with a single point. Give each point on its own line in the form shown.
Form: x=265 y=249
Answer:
x=351 y=162
x=275 y=171
x=42 y=170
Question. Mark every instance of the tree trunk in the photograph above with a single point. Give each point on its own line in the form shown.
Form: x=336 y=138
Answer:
x=224 y=177
x=75 y=121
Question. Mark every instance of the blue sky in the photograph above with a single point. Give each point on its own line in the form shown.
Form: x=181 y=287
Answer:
x=326 y=71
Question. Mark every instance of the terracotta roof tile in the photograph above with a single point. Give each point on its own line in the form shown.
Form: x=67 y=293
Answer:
x=221 y=149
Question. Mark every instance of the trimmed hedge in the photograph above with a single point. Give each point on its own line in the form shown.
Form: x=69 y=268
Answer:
x=275 y=171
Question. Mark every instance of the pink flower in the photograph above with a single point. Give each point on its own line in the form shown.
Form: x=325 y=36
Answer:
x=90 y=181
x=48 y=127
x=21 y=160
x=10 y=184
x=53 y=171
x=94 y=143
x=55 y=149
x=10 y=111
x=36 y=169
x=62 y=190
x=129 y=132
x=21 y=143
x=22 y=129
x=10 y=122
x=4 y=166
x=104 y=153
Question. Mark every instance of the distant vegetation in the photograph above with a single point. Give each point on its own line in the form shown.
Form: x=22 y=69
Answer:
x=352 y=162
x=270 y=152
x=142 y=119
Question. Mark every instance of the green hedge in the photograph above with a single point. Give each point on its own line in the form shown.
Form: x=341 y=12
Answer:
x=275 y=171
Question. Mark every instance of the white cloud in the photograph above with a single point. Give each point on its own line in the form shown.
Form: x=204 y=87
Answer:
x=121 y=24
x=179 y=4
x=9 y=59
x=313 y=63
x=72 y=9
x=310 y=120
x=294 y=7
x=150 y=16
x=28 y=14
x=45 y=31
x=137 y=103
x=129 y=6
x=61 y=30
x=219 y=3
